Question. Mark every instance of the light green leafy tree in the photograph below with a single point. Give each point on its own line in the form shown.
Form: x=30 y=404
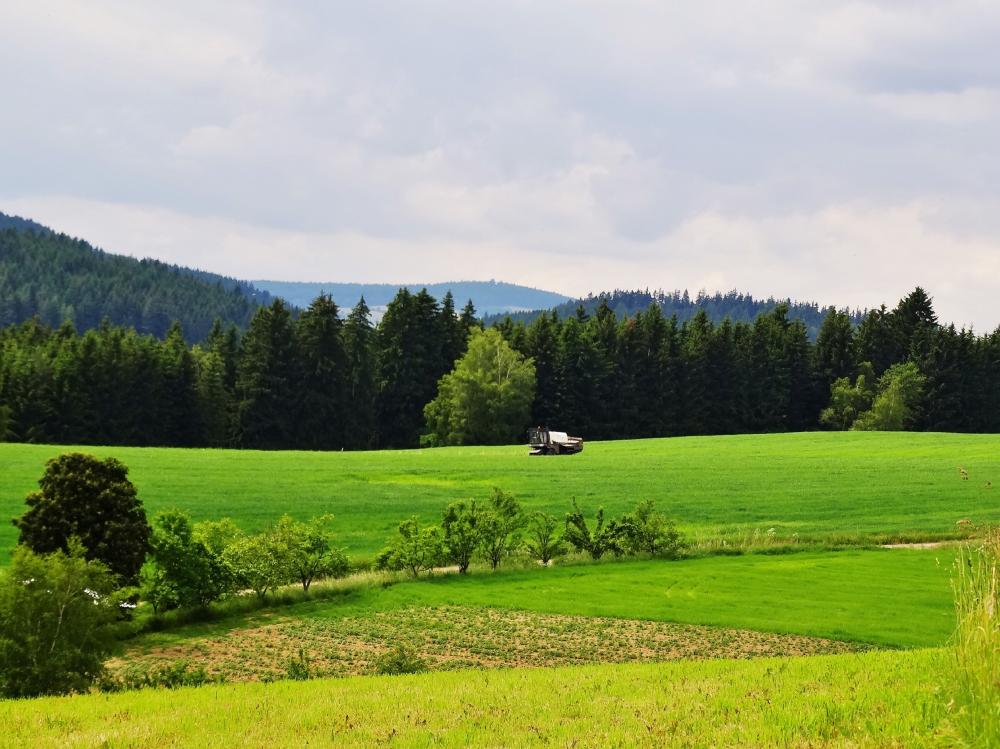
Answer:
x=848 y=401
x=542 y=539
x=414 y=548
x=486 y=399
x=649 y=531
x=900 y=391
x=461 y=526
x=180 y=569
x=260 y=563
x=58 y=615
x=501 y=526
x=310 y=551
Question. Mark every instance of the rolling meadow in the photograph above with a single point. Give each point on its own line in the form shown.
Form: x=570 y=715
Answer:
x=787 y=625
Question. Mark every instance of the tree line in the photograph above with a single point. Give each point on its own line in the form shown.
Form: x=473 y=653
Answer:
x=320 y=381
x=734 y=305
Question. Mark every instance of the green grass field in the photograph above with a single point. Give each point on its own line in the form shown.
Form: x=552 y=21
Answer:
x=611 y=612
x=880 y=699
x=815 y=484
x=824 y=487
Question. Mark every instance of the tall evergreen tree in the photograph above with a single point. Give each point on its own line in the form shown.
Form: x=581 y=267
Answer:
x=359 y=349
x=324 y=376
x=268 y=380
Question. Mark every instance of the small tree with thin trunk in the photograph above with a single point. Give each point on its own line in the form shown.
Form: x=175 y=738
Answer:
x=414 y=548
x=597 y=541
x=462 y=529
x=543 y=540
x=311 y=554
x=501 y=526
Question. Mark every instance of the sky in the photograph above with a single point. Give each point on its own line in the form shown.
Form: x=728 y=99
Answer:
x=842 y=152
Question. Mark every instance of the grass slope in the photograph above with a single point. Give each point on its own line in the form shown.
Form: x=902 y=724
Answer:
x=880 y=699
x=812 y=484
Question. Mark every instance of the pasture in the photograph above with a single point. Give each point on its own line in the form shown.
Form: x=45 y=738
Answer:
x=817 y=485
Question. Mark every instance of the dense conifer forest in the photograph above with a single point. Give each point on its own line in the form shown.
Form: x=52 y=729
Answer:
x=734 y=305
x=320 y=381
x=57 y=278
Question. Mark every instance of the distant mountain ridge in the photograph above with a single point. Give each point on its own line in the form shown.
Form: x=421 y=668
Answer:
x=735 y=305
x=489 y=297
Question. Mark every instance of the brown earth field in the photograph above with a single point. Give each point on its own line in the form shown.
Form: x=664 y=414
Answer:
x=454 y=637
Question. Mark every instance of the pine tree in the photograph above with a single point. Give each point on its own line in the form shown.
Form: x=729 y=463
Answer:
x=268 y=380
x=324 y=376
x=359 y=349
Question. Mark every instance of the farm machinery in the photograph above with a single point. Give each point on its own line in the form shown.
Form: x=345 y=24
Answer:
x=543 y=441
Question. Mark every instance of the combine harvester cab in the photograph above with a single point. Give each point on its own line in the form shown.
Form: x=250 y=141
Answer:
x=547 y=442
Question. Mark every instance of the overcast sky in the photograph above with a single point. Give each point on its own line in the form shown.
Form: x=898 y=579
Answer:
x=841 y=152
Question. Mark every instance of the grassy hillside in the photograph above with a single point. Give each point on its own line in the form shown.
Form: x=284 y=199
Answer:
x=816 y=485
x=883 y=699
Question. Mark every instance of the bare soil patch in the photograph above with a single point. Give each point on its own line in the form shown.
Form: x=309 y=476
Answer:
x=459 y=637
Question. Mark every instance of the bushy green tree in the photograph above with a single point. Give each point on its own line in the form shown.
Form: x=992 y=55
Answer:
x=596 y=541
x=57 y=621
x=91 y=499
x=415 y=549
x=310 y=552
x=487 y=399
x=181 y=570
x=847 y=401
x=501 y=526
x=647 y=530
x=260 y=562
x=542 y=538
x=895 y=407
x=461 y=527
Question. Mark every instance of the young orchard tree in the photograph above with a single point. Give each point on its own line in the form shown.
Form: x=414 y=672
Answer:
x=500 y=526
x=260 y=563
x=91 y=499
x=414 y=549
x=462 y=529
x=58 y=614
x=486 y=399
x=181 y=571
x=543 y=540
x=311 y=555
x=216 y=535
x=597 y=542
x=645 y=530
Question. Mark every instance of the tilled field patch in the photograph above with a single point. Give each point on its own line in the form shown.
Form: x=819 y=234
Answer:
x=453 y=637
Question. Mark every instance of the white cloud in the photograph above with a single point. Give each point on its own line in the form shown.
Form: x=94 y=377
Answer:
x=842 y=151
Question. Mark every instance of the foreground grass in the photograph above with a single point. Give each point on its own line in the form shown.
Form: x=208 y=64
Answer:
x=815 y=485
x=879 y=699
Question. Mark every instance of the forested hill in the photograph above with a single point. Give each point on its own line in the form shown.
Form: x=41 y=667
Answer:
x=59 y=278
x=489 y=297
x=22 y=224
x=733 y=305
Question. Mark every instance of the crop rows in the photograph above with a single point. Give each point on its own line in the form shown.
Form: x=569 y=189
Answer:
x=454 y=637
